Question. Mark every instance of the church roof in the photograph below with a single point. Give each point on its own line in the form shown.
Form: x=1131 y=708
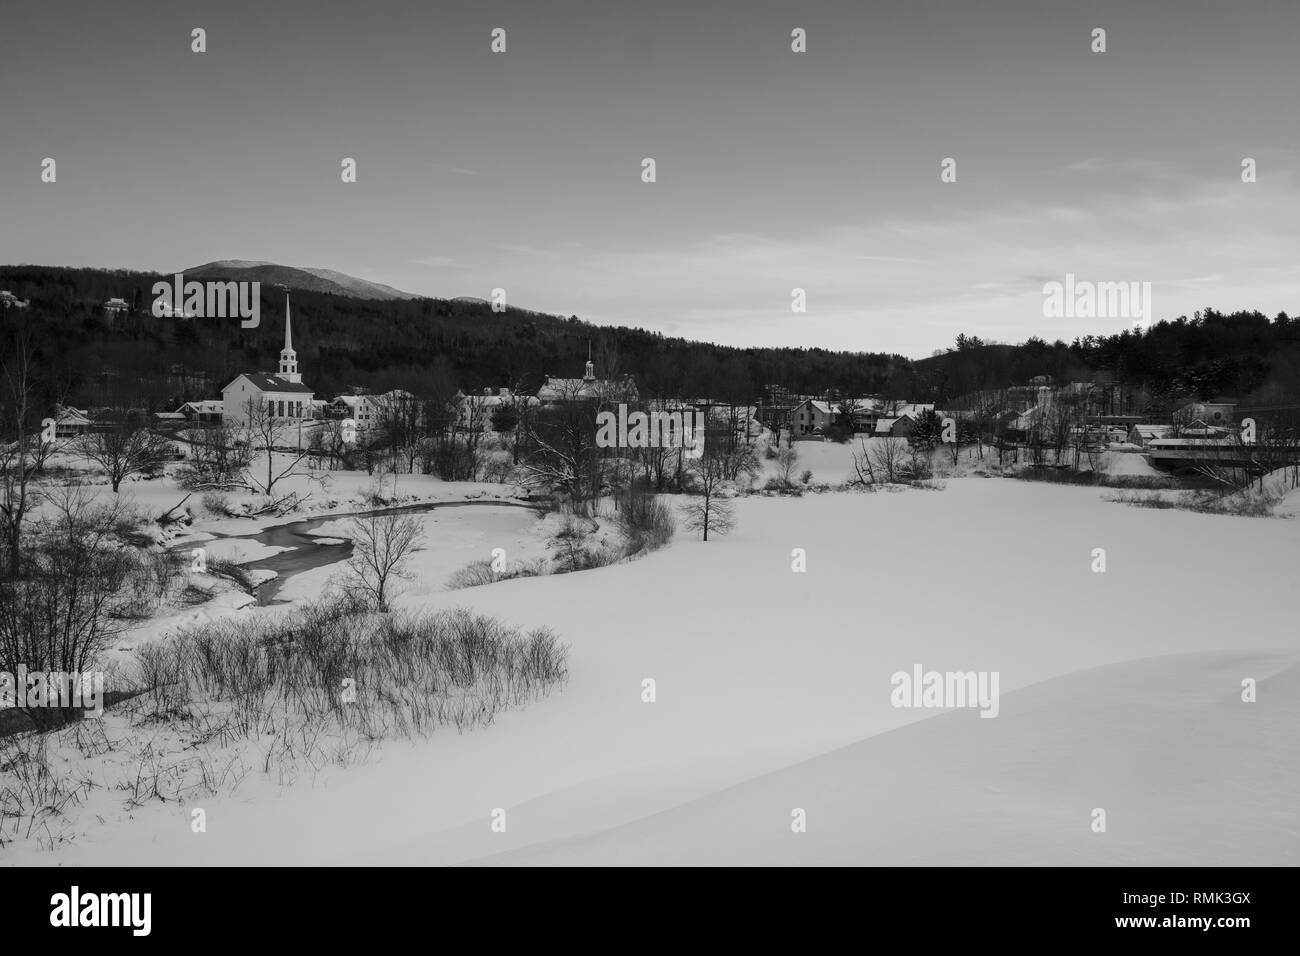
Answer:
x=577 y=389
x=272 y=383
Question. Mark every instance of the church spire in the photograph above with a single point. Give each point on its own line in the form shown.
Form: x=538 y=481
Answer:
x=288 y=357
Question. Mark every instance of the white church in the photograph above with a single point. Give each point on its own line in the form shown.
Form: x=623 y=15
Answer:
x=284 y=391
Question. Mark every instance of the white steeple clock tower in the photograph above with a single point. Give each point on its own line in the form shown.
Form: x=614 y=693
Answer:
x=288 y=357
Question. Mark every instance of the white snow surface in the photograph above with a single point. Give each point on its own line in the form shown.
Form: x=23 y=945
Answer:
x=1121 y=691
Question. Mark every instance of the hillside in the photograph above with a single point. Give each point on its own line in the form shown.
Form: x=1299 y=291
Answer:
x=429 y=346
x=351 y=333
x=1245 y=355
x=310 y=280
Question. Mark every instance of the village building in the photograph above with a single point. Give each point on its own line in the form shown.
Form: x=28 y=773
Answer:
x=588 y=388
x=811 y=417
x=900 y=427
x=1143 y=435
x=283 y=392
x=207 y=412
x=361 y=408
x=475 y=411
x=368 y=411
x=1212 y=414
x=914 y=410
x=774 y=406
x=866 y=412
x=70 y=422
x=1199 y=428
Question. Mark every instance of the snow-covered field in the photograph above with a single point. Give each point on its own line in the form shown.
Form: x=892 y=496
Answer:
x=1121 y=691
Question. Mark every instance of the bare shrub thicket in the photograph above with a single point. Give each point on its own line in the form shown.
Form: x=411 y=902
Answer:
x=645 y=520
x=576 y=547
x=888 y=458
x=283 y=697
x=483 y=572
x=345 y=670
x=216 y=459
x=80 y=584
x=1247 y=504
x=892 y=460
x=35 y=792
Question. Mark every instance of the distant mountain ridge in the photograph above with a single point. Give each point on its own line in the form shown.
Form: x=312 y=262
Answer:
x=312 y=280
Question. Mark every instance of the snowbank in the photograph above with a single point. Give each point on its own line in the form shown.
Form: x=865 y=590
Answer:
x=761 y=670
x=1186 y=772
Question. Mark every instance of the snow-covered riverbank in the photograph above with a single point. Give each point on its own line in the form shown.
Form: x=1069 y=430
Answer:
x=760 y=669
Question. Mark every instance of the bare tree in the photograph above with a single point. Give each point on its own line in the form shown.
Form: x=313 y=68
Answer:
x=562 y=449
x=607 y=359
x=475 y=423
x=121 y=445
x=399 y=420
x=919 y=461
x=862 y=467
x=787 y=461
x=741 y=461
x=707 y=511
x=888 y=458
x=18 y=465
x=268 y=431
x=961 y=429
x=382 y=548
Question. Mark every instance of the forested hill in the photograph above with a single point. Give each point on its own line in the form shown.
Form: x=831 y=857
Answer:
x=433 y=346
x=1243 y=355
x=429 y=346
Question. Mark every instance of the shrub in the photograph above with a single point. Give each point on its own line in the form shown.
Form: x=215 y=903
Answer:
x=1204 y=502
x=480 y=572
x=217 y=504
x=498 y=470
x=646 y=521
x=1069 y=476
x=235 y=573
x=780 y=486
x=337 y=666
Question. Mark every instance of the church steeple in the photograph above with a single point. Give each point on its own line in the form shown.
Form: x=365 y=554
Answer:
x=590 y=373
x=288 y=357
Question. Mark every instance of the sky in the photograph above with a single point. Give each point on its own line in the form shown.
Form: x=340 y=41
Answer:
x=775 y=169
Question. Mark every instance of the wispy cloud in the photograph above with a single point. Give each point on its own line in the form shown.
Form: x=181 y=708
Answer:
x=440 y=262
x=909 y=284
